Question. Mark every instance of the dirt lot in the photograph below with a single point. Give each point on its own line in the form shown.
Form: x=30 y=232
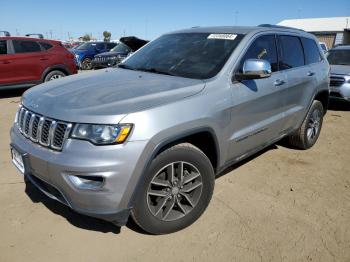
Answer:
x=281 y=205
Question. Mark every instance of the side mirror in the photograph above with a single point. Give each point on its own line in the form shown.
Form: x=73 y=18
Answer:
x=254 y=69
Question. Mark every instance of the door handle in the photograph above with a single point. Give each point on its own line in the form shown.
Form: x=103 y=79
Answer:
x=310 y=73
x=279 y=82
x=44 y=59
x=6 y=62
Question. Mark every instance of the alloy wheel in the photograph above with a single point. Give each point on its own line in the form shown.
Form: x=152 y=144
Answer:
x=313 y=126
x=174 y=191
x=55 y=77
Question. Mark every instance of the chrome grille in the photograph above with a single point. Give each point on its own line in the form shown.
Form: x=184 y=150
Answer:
x=337 y=81
x=100 y=59
x=45 y=131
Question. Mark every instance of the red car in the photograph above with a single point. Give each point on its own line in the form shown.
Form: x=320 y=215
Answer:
x=26 y=62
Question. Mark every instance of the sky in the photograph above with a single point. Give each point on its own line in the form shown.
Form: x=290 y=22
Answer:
x=149 y=19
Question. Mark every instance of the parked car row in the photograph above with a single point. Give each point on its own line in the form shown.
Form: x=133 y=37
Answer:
x=28 y=61
x=85 y=53
x=96 y=55
x=126 y=46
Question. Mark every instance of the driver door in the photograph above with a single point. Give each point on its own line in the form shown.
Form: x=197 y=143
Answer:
x=257 y=105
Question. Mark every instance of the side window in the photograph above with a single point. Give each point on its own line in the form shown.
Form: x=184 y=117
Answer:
x=292 y=54
x=3 y=47
x=311 y=51
x=264 y=47
x=25 y=46
x=46 y=46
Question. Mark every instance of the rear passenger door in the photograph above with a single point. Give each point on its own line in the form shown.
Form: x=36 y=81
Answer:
x=299 y=80
x=27 y=60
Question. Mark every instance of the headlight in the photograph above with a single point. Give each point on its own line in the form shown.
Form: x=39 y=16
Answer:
x=102 y=134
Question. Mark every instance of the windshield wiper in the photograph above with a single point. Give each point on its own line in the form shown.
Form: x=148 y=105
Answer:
x=156 y=71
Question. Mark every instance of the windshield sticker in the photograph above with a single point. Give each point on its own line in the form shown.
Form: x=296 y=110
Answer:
x=222 y=36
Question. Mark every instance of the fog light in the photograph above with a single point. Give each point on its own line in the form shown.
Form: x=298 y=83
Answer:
x=87 y=182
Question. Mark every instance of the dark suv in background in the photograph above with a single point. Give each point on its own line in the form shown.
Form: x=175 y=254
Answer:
x=25 y=61
x=126 y=46
x=86 y=52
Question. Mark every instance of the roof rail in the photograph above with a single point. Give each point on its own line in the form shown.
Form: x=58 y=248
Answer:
x=280 y=26
x=6 y=33
x=38 y=35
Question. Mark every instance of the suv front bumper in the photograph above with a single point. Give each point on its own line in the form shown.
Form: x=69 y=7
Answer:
x=341 y=91
x=49 y=171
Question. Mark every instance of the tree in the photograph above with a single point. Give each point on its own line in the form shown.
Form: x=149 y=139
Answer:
x=86 y=37
x=107 y=36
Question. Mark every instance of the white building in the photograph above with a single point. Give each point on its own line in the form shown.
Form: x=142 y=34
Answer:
x=331 y=30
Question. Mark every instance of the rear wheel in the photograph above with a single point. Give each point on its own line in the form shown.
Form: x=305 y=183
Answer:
x=56 y=74
x=177 y=189
x=307 y=135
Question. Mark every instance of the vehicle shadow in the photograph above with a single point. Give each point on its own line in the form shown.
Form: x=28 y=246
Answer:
x=12 y=92
x=77 y=220
x=338 y=105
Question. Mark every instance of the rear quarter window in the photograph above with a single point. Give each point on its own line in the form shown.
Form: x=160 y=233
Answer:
x=311 y=51
x=291 y=52
x=25 y=46
x=3 y=47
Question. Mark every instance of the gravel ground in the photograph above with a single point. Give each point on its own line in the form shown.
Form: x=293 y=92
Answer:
x=280 y=205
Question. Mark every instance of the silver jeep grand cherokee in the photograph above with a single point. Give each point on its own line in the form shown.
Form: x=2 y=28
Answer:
x=149 y=137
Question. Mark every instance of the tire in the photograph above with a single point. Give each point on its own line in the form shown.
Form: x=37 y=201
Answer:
x=56 y=74
x=307 y=135
x=86 y=64
x=184 y=200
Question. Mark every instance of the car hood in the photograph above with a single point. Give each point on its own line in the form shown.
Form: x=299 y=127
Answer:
x=340 y=69
x=106 y=96
x=107 y=54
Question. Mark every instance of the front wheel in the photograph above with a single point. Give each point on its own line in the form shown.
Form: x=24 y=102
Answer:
x=307 y=135
x=86 y=64
x=177 y=189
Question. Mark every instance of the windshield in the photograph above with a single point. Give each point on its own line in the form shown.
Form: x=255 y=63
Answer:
x=84 y=46
x=191 y=55
x=121 y=48
x=339 y=57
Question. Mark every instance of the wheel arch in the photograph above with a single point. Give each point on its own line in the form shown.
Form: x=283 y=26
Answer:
x=323 y=97
x=194 y=137
x=64 y=69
